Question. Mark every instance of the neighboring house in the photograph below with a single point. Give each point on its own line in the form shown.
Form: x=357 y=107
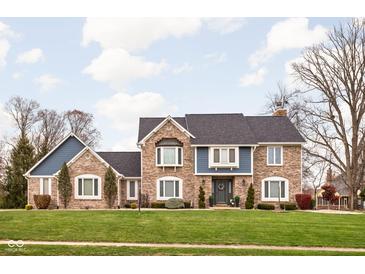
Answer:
x=343 y=193
x=223 y=153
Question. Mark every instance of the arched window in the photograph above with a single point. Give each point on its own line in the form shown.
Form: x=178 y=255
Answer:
x=169 y=187
x=88 y=186
x=275 y=188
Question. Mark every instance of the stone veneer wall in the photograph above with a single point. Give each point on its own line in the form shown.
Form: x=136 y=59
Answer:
x=151 y=173
x=291 y=170
x=34 y=189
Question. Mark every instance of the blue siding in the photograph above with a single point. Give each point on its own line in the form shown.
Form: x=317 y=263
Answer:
x=202 y=162
x=64 y=153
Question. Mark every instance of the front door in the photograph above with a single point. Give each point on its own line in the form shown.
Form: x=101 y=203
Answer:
x=222 y=190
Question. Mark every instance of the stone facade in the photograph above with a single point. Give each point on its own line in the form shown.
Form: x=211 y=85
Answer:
x=291 y=170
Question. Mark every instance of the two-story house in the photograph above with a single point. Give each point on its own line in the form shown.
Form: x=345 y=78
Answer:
x=223 y=153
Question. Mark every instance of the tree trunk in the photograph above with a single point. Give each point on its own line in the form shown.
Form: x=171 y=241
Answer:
x=353 y=204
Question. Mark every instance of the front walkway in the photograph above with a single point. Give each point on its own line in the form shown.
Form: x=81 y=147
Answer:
x=262 y=247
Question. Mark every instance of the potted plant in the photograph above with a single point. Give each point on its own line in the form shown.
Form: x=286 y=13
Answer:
x=231 y=203
x=237 y=201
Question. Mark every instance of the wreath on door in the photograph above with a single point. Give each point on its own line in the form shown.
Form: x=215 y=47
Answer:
x=220 y=186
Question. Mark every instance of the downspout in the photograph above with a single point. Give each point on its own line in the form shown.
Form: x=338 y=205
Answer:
x=252 y=163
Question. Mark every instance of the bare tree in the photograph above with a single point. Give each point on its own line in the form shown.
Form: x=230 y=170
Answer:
x=82 y=125
x=334 y=106
x=49 y=132
x=23 y=113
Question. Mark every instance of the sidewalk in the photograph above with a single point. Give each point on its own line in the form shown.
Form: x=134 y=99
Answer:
x=262 y=247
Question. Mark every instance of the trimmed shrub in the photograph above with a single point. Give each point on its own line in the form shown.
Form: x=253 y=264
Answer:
x=174 y=203
x=288 y=206
x=303 y=200
x=133 y=205
x=201 y=197
x=42 y=201
x=237 y=201
x=266 y=206
x=157 y=205
x=249 y=204
x=187 y=204
x=28 y=207
x=127 y=205
x=211 y=201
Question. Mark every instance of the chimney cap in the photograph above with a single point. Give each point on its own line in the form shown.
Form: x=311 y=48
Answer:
x=280 y=112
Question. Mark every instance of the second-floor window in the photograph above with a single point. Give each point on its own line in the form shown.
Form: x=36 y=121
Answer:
x=169 y=156
x=223 y=157
x=275 y=155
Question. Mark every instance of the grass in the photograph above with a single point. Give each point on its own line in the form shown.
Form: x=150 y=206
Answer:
x=46 y=250
x=209 y=227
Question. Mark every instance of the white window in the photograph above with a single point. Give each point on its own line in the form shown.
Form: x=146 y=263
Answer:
x=169 y=187
x=275 y=156
x=132 y=190
x=274 y=188
x=223 y=157
x=88 y=187
x=45 y=186
x=169 y=156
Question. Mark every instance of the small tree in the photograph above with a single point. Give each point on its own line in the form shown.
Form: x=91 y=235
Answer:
x=201 y=197
x=250 y=199
x=64 y=185
x=329 y=193
x=110 y=186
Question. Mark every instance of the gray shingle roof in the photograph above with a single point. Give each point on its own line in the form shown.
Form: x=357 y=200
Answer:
x=223 y=129
x=230 y=128
x=273 y=129
x=146 y=125
x=126 y=163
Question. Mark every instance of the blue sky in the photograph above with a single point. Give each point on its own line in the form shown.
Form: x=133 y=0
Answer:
x=120 y=69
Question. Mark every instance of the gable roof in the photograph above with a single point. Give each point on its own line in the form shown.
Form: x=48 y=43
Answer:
x=70 y=146
x=275 y=129
x=147 y=124
x=126 y=163
x=230 y=128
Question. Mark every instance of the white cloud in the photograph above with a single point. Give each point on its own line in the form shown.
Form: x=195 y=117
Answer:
x=216 y=57
x=292 y=33
x=134 y=34
x=16 y=75
x=5 y=33
x=47 y=82
x=225 y=25
x=31 y=56
x=124 y=110
x=186 y=67
x=117 y=66
x=254 y=78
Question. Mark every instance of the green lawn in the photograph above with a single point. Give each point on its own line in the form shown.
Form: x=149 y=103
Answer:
x=210 y=227
x=46 y=250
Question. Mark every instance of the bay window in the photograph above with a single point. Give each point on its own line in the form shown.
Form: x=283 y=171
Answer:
x=88 y=187
x=169 y=156
x=275 y=188
x=169 y=187
x=224 y=157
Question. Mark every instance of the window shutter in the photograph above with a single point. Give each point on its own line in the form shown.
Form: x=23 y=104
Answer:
x=161 y=189
x=266 y=189
x=96 y=187
x=80 y=187
x=177 y=189
x=179 y=152
x=159 y=156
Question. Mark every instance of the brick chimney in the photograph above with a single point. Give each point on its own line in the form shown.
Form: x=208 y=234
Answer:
x=280 y=112
x=329 y=177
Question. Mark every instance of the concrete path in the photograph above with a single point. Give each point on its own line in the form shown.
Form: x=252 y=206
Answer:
x=261 y=247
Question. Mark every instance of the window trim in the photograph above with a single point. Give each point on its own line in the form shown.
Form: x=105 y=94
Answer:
x=41 y=182
x=169 y=178
x=281 y=156
x=270 y=179
x=212 y=164
x=87 y=197
x=135 y=189
x=176 y=156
